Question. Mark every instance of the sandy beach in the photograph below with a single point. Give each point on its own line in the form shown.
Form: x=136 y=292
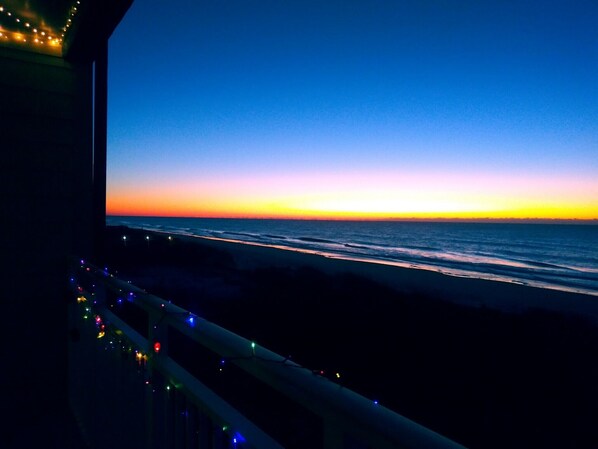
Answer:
x=488 y=364
x=467 y=291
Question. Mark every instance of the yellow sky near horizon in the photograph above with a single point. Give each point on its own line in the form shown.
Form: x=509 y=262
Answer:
x=363 y=196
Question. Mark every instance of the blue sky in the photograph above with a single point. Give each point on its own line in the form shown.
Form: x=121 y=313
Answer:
x=334 y=94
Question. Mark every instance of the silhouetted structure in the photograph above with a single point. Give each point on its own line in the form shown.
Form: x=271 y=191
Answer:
x=53 y=66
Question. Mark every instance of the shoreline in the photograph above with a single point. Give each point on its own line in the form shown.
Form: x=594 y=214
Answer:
x=463 y=290
x=405 y=265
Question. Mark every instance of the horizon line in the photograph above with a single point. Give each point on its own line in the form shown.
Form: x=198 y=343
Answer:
x=530 y=220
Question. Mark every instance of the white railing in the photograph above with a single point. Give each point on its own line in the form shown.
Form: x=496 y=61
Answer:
x=181 y=409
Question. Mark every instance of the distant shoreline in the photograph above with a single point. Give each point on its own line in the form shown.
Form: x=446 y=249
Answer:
x=398 y=264
x=468 y=291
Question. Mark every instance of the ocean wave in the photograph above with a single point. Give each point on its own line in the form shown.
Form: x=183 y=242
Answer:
x=535 y=263
x=242 y=234
x=349 y=245
x=316 y=240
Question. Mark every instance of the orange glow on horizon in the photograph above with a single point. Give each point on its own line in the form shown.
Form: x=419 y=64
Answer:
x=363 y=197
x=152 y=207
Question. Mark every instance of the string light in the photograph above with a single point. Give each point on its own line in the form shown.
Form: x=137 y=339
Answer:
x=190 y=319
x=23 y=31
x=118 y=341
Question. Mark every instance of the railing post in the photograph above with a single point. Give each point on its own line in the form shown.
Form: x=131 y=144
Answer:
x=159 y=426
x=205 y=431
x=192 y=429
x=180 y=421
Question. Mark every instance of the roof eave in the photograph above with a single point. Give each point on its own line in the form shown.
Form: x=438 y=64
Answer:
x=94 y=25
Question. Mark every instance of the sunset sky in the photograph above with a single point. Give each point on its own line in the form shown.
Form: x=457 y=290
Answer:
x=354 y=109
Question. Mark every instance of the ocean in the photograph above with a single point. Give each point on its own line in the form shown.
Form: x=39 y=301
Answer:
x=556 y=256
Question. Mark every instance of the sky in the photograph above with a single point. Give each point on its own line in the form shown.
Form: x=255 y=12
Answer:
x=361 y=109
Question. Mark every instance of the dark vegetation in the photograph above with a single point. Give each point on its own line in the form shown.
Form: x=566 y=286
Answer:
x=485 y=378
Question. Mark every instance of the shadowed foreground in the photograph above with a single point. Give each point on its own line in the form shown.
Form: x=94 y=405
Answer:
x=483 y=377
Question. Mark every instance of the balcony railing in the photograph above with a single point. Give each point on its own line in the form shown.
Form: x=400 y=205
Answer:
x=146 y=373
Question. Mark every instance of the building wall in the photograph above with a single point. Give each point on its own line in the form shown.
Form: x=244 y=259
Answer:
x=46 y=200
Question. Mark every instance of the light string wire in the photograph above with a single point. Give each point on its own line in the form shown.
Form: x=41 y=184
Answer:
x=126 y=346
x=117 y=339
x=190 y=320
x=223 y=359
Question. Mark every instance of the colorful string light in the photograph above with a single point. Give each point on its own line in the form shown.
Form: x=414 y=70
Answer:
x=118 y=340
x=190 y=319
